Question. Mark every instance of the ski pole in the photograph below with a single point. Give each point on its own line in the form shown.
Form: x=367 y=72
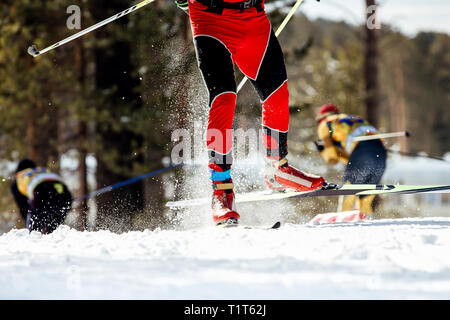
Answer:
x=382 y=136
x=277 y=33
x=126 y=182
x=33 y=50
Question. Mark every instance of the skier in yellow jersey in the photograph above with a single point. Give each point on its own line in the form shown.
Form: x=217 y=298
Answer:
x=42 y=197
x=365 y=160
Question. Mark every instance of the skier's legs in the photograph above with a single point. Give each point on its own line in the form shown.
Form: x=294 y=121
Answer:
x=216 y=65
x=271 y=86
x=366 y=165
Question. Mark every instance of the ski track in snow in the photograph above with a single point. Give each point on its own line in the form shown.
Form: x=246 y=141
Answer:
x=383 y=259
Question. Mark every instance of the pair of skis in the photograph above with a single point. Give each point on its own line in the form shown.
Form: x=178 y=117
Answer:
x=329 y=190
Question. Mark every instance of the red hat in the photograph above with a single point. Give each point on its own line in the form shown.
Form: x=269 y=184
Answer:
x=326 y=110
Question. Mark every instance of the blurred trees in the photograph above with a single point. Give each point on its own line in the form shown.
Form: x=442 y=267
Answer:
x=413 y=81
x=108 y=94
x=371 y=64
x=30 y=90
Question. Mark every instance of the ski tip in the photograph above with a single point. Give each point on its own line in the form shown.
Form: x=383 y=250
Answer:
x=33 y=50
x=276 y=225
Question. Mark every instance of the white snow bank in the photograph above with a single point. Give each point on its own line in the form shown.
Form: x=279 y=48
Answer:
x=418 y=170
x=383 y=259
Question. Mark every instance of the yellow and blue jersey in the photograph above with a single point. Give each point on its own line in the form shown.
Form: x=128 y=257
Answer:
x=27 y=180
x=338 y=131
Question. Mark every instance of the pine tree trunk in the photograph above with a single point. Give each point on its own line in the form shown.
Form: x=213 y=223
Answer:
x=113 y=78
x=82 y=138
x=400 y=106
x=371 y=70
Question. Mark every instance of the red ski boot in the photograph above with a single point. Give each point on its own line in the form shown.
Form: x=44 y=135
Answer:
x=280 y=175
x=223 y=207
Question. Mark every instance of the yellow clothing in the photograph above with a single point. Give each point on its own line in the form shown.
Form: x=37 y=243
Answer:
x=348 y=203
x=337 y=132
x=28 y=179
x=364 y=204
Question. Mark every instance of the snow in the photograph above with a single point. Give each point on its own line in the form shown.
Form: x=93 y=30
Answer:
x=417 y=170
x=379 y=259
x=404 y=258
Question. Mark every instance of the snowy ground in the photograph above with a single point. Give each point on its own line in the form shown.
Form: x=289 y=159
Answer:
x=383 y=259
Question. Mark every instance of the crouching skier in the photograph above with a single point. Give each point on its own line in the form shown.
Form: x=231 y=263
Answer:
x=43 y=199
x=239 y=32
x=365 y=160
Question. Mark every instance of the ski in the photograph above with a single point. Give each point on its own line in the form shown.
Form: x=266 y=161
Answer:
x=275 y=226
x=329 y=190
